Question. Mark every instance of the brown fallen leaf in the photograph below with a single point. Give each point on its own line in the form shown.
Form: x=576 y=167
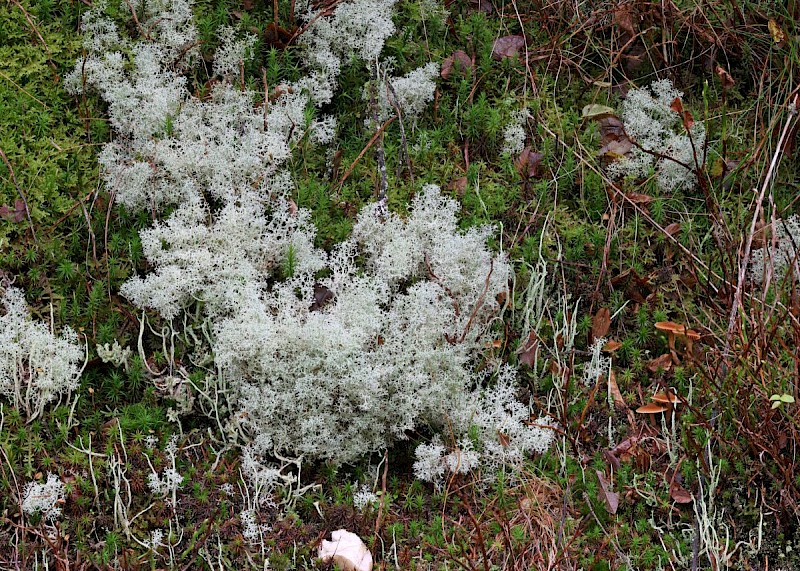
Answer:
x=507 y=47
x=528 y=164
x=624 y=18
x=459 y=185
x=672 y=229
x=679 y=494
x=639 y=198
x=664 y=362
x=724 y=77
x=610 y=497
x=459 y=63
x=601 y=323
x=611 y=346
x=529 y=351
x=616 y=395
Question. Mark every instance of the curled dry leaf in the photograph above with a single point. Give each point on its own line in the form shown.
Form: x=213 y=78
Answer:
x=724 y=77
x=778 y=35
x=611 y=346
x=616 y=395
x=610 y=497
x=347 y=551
x=613 y=139
x=507 y=47
x=596 y=110
x=458 y=63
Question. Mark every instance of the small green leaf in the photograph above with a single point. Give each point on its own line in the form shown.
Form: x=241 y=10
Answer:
x=595 y=109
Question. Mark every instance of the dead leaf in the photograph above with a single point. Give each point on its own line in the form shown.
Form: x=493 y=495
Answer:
x=624 y=18
x=504 y=439
x=601 y=323
x=610 y=497
x=677 y=106
x=724 y=77
x=672 y=229
x=638 y=198
x=611 y=346
x=529 y=163
x=15 y=214
x=614 y=142
x=459 y=62
x=596 y=110
x=664 y=362
x=484 y=6
x=778 y=35
x=459 y=185
x=616 y=395
x=626 y=449
x=529 y=351
x=322 y=295
x=679 y=494
x=507 y=47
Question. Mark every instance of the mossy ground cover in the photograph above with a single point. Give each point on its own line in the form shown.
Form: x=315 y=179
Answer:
x=711 y=483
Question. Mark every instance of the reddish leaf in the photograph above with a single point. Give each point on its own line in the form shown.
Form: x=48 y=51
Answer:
x=610 y=497
x=638 y=198
x=15 y=214
x=529 y=164
x=459 y=63
x=611 y=346
x=601 y=323
x=529 y=351
x=507 y=46
x=677 y=106
x=673 y=228
x=679 y=494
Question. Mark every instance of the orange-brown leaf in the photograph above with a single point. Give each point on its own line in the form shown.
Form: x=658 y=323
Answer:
x=601 y=323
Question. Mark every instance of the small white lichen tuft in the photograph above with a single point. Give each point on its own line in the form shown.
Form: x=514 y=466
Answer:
x=45 y=499
x=36 y=366
x=654 y=126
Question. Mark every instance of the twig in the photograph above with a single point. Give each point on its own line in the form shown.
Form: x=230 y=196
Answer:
x=362 y=153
